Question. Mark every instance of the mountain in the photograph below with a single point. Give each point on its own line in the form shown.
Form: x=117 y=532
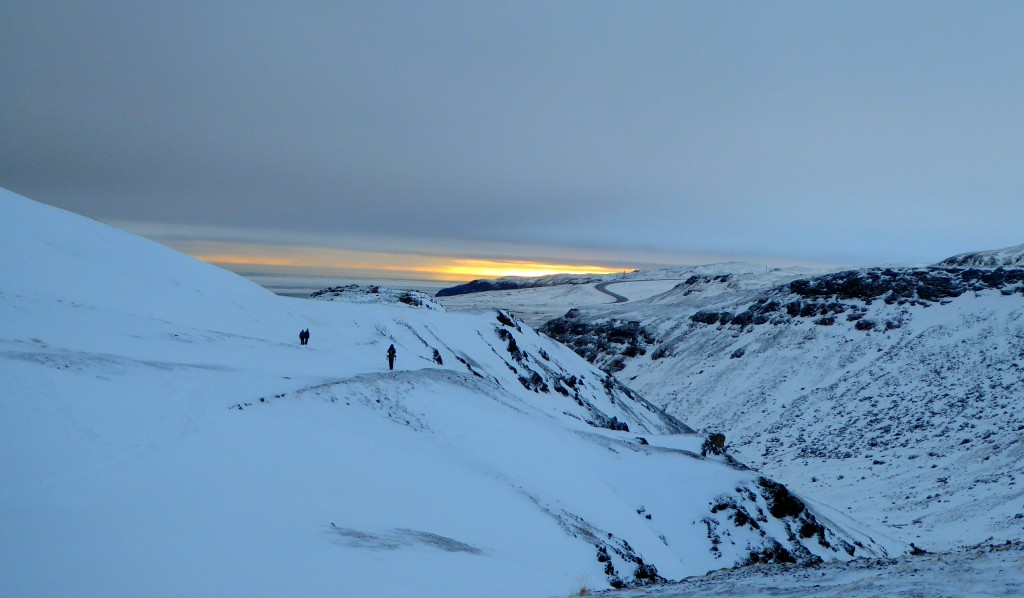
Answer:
x=509 y=283
x=1011 y=257
x=891 y=393
x=162 y=432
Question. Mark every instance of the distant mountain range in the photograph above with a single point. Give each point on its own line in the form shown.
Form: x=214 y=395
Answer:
x=508 y=283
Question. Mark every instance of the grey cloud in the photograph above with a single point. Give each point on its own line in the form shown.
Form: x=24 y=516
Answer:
x=840 y=132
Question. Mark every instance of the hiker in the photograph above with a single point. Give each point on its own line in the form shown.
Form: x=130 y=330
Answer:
x=302 y=337
x=306 y=342
x=391 y=357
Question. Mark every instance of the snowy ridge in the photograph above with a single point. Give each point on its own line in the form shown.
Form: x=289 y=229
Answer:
x=1008 y=257
x=891 y=392
x=354 y=293
x=709 y=282
x=162 y=431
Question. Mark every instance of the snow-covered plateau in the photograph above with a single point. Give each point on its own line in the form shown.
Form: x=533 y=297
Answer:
x=163 y=433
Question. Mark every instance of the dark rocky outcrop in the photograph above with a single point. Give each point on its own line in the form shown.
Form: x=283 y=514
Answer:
x=479 y=286
x=605 y=343
x=825 y=297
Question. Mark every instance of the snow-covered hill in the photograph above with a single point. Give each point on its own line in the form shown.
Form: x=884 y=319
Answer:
x=354 y=293
x=162 y=432
x=1010 y=257
x=895 y=393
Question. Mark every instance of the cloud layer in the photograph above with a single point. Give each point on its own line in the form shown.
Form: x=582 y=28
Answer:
x=848 y=133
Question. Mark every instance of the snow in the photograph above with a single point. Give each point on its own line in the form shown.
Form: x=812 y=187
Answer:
x=1010 y=257
x=984 y=570
x=554 y=295
x=910 y=427
x=532 y=305
x=162 y=432
x=913 y=428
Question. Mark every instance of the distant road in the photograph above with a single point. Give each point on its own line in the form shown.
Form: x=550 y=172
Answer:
x=602 y=286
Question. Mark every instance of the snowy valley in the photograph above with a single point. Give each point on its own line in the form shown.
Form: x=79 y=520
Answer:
x=891 y=393
x=163 y=432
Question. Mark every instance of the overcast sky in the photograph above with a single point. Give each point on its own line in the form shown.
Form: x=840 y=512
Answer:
x=619 y=132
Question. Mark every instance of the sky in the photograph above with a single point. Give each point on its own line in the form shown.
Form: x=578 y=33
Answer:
x=370 y=137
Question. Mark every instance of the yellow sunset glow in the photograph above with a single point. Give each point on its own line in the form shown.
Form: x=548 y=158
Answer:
x=496 y=269
x=368 y=264
x=250 y=260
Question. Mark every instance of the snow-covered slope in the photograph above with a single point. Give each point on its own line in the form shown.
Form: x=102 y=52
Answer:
x=1010 y=257
x=982 y=570
x=162 y=432
x=893 y=393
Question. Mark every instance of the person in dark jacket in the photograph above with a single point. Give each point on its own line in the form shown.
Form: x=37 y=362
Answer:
x=306 y=342
x=302 y=337
x=391 y=357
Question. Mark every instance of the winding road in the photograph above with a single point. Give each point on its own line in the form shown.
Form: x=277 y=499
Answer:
x=602 y=286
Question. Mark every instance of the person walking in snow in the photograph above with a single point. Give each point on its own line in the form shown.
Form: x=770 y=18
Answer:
x=302 y=337
x=306 y=342
x=391 y=357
